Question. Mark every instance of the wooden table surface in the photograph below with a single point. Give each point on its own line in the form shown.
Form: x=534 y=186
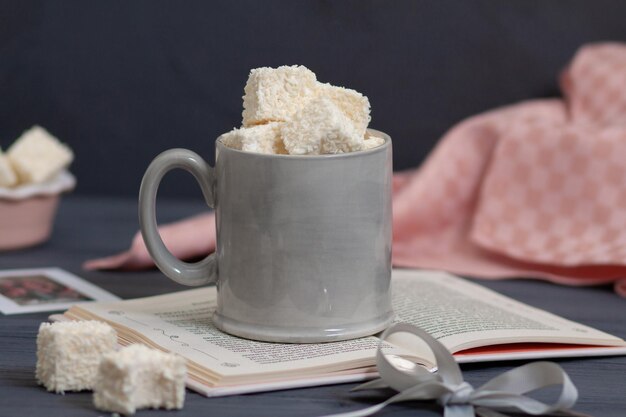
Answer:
x=91 y=227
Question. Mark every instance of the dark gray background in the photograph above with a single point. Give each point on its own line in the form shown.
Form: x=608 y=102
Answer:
x=122 y=81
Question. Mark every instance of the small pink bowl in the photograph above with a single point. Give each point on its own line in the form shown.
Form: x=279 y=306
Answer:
x=27 y=212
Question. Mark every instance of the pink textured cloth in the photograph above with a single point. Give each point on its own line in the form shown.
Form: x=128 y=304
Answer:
x=535 y=190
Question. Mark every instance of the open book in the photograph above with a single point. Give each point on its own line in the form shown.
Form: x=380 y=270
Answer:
x=474 y=323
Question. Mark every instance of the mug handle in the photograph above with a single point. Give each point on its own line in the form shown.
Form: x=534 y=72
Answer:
x=193 y=274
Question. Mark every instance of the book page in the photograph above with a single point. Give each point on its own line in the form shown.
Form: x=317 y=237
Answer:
x=181 y=322
x=462 y=315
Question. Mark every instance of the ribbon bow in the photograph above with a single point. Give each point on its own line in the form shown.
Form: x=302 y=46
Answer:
x=459 y=398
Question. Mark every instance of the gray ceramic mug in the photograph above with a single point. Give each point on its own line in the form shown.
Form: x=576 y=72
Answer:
x=303 y=242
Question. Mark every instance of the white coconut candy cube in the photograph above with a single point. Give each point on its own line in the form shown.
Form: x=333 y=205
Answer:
x=261 y=139
x=275 y=94
x=37 y=156
x=7 y=175
x=372 y=142
x=320 y=128
x=353 y=104
x=69 y=353
x=138 y=377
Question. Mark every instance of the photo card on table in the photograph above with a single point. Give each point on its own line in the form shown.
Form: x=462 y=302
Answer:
x=45 y=289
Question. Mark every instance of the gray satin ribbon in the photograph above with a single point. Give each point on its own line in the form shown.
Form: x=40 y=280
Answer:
x=460 y=399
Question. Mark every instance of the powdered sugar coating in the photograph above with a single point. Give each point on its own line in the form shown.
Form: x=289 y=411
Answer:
x=372 y=142
x=275 y=94
x=287 y=111
x=7 y=176
x=320 y=128
x=37 y=156
x=140 y=377
x=69 y=353
x=354 y=105
x=261 y=139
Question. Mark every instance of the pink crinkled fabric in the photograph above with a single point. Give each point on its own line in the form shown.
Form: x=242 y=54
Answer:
x=532 y=190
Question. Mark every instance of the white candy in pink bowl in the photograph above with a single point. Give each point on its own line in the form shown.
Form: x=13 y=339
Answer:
x=33 y=174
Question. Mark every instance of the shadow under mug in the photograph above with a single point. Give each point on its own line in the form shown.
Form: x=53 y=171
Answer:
x=303 y=242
